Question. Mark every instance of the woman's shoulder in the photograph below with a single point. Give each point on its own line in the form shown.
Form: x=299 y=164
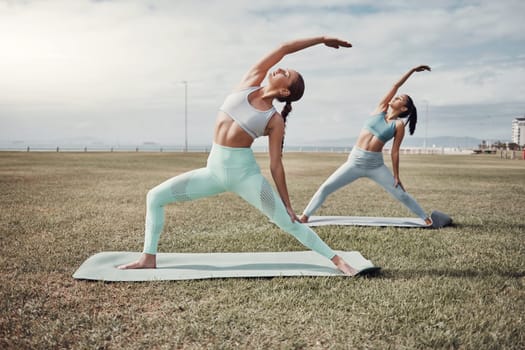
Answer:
x=399 y=124
x=241 y=92
x=378 y=111
x=245 y=88
x=377 y=114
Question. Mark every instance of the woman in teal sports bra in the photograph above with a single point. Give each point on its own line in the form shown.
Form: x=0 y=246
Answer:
x=247 y=113
x=366 y=159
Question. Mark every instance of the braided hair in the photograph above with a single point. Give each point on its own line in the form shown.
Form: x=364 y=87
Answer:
x=296 y=92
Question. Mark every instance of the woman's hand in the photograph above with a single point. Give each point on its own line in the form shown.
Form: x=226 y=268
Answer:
x=292 y=214
x=335 y=43
x=397 y=182
x=421 y=68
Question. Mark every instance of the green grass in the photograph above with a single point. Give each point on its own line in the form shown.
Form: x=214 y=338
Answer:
x=459 y=287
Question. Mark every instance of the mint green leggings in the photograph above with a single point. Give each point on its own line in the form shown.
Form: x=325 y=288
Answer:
x=362 y=163
x=228 y=170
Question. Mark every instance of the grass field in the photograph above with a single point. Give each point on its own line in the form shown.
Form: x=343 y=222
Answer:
x=460 y=287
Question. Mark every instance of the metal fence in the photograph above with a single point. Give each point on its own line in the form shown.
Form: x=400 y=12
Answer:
x=206 y=149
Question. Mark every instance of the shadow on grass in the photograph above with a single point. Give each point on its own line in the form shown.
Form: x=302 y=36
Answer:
x=488 y=223
x=455 y=273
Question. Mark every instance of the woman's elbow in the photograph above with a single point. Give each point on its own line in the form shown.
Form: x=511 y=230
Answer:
x=274 y=169
x=276 y=166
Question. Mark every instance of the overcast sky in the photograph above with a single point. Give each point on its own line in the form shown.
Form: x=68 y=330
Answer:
x=112 y=70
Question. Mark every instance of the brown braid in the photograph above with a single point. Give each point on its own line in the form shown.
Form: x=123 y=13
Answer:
x=296 y=92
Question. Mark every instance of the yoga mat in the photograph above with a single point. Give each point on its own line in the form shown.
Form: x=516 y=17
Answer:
x=439 y=220
x=188 y=266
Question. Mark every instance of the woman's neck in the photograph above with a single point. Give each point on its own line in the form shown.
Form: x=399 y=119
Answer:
x=261 y=98
x=391 y=115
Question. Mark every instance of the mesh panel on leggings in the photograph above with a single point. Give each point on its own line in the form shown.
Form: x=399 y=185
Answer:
x=179 y=189
x=267 y=199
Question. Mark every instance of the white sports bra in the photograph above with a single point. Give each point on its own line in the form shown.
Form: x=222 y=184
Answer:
x=249 y=118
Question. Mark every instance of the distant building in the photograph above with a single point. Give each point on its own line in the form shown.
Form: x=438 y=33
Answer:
x=518 y=131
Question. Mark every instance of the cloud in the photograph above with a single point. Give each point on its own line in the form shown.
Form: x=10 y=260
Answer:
x=112 y=69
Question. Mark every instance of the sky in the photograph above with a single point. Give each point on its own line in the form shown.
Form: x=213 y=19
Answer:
x=75 y=71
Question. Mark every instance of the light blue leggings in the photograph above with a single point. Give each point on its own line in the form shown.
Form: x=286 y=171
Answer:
x=368 y=164
x=228 y=170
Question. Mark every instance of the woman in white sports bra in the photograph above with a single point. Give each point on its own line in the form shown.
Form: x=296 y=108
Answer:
x=366 y=158
x=247 y=113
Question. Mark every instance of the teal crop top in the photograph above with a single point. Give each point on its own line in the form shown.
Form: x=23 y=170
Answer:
x=381 y=129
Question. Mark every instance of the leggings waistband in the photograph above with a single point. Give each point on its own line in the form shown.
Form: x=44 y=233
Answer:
x=231 y=157
x=365 y=159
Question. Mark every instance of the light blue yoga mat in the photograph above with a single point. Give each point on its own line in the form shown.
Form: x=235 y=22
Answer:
x=439 y=220
x=188 y=266
x=364 y=221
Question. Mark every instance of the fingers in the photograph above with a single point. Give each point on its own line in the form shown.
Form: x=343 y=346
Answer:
x=292 y=215
x=423 y=67
x=336 y=43
x=398 y=183
x=344 y=43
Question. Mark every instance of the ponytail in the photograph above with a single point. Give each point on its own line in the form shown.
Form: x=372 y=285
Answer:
x=410 y=114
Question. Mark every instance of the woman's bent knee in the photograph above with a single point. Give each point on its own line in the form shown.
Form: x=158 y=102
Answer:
x=153 y=197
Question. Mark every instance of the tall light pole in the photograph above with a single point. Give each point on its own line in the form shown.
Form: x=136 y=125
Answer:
x=185 y=115
x=426 y=125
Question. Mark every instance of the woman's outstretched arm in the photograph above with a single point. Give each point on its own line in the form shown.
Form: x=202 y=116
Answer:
x=383 y=104
x=275 y=139
x=257 y=72
x=396 y=145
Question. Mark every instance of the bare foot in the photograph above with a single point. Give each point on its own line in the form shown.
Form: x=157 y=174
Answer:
x=428 y=221
x=343 y=266
x=303 y=218
x=146 y=261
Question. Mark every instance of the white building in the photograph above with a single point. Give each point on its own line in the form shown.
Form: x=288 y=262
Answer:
x=518 y=131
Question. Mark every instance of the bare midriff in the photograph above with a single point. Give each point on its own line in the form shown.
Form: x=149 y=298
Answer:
x=368 y=142
x=228 y=133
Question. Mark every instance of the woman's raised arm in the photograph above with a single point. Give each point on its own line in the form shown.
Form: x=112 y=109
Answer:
x=257 y=73
x=383 y=104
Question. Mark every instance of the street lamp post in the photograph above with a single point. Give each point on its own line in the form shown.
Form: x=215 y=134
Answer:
x=426 y=126
x=185 y=115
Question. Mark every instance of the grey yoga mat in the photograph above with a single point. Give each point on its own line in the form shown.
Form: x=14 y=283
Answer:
x=188 y=266
x=438 y=220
